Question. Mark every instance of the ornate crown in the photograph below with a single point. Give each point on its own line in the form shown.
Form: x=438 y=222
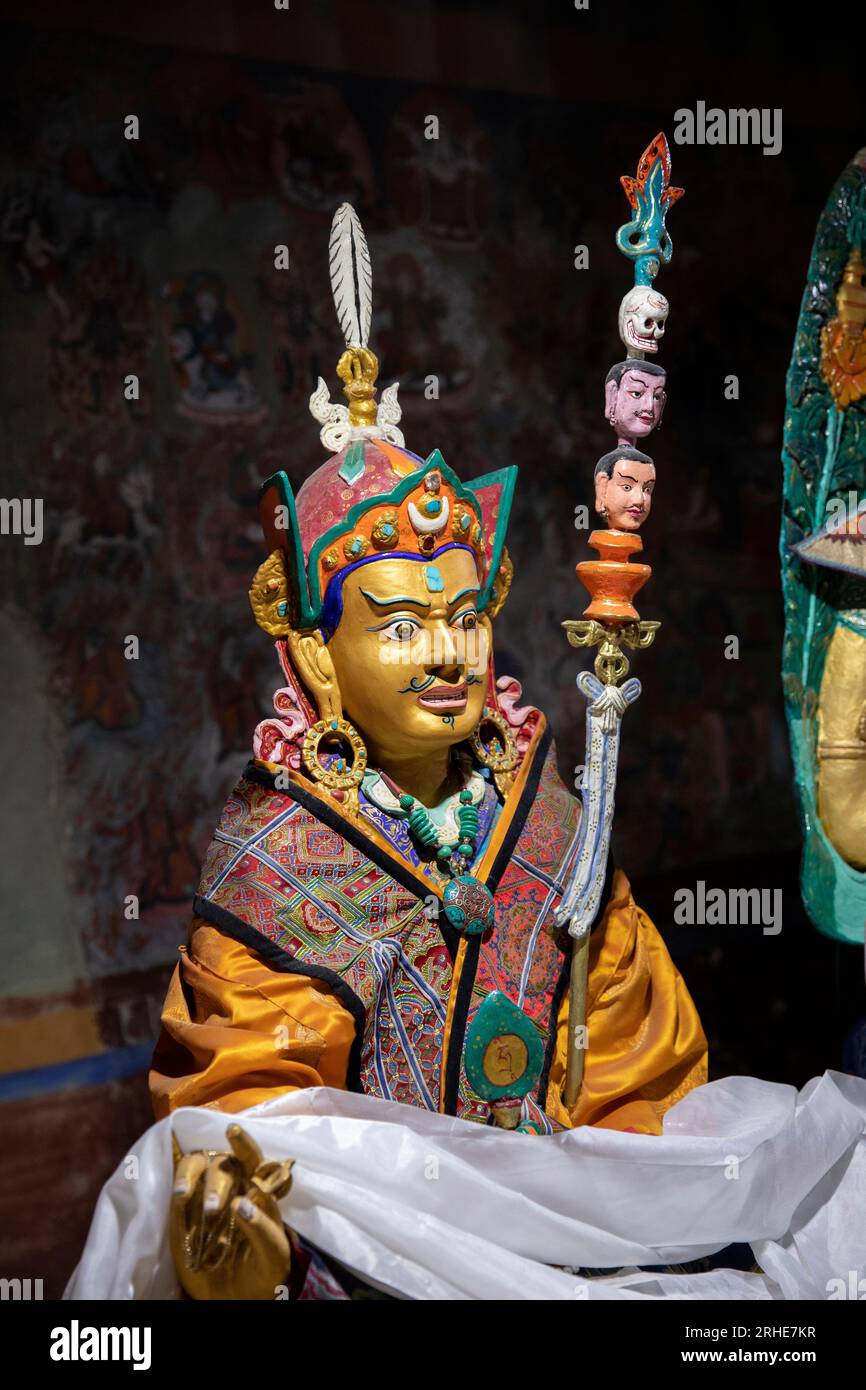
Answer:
x=373 y=497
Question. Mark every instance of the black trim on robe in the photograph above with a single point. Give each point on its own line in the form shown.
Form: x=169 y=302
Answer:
x=473 y=949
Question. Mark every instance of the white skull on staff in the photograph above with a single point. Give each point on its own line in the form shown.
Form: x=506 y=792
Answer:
x=642 y=317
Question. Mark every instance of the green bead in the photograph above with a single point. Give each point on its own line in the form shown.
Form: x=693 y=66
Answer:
x=467 y=849
x=421 y=825
x=466 y=796
x=406 y=802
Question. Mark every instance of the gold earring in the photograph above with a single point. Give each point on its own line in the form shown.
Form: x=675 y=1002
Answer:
x=500 y=753
x=340 y=779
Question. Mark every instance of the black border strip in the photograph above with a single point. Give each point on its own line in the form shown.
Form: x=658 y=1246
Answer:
x=279 y=959
x=458 y=1023
x=518 y=818
x=459 y=1019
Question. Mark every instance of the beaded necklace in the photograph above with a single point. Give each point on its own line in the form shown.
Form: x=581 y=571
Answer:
x=467 y=902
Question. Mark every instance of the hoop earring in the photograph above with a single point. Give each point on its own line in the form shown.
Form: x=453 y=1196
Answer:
x=500 y=754
x=340 y=779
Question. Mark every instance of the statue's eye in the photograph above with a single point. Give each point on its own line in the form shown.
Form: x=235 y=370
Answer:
x=467 y=619
x=400 y=630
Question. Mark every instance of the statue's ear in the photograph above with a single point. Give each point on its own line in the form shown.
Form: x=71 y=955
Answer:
x=314 y=665
x=601 y=482
x=610 y=394
x=663 y=403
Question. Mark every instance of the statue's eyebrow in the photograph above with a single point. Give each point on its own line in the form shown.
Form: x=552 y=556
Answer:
x=396 y=598
x=473 y=589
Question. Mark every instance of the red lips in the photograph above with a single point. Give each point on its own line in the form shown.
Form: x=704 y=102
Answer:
x=444 y=696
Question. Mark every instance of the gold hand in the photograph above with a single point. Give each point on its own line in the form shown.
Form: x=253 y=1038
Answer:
x=227 y=1236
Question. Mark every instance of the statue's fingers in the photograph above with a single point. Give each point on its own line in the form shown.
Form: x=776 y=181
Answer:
x=182 y=1219
x=274 y=1179
x=187 y=1176
x=266 y=1235
x=219 y=1182
x=245 y=1149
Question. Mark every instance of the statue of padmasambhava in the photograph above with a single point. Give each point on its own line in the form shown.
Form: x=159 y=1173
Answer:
x=377 y=910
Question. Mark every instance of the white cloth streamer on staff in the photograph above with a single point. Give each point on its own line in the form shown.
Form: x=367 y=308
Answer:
x=430 y=1207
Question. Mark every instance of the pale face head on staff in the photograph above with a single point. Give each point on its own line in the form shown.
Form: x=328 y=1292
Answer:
x=634 y=398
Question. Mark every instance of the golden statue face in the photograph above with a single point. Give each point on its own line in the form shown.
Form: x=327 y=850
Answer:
x=411 y=652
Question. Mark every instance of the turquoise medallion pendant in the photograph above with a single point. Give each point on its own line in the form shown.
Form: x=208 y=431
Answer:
x=503 y=1056
x=468 y=905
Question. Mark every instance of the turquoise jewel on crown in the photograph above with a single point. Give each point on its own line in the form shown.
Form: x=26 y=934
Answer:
x=468 y=905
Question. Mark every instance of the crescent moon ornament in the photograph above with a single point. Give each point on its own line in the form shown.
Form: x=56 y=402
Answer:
x=427 y=525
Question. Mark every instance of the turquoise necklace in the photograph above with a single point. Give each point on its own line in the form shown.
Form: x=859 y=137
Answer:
x=468 y=903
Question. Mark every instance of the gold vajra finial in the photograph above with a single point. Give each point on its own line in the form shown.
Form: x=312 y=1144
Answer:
x=358 y=369
x=851 y=295
x=611 y=663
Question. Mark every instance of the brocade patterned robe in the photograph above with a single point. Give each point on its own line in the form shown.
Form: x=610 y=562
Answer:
x=319 y=955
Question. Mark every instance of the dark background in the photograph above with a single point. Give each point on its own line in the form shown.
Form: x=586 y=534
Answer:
x=255 y=124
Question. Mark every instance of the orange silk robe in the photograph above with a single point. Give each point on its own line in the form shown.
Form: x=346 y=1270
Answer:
x=225 y=1007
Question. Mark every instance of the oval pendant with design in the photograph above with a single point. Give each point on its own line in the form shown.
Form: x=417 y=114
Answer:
x=468 y=905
